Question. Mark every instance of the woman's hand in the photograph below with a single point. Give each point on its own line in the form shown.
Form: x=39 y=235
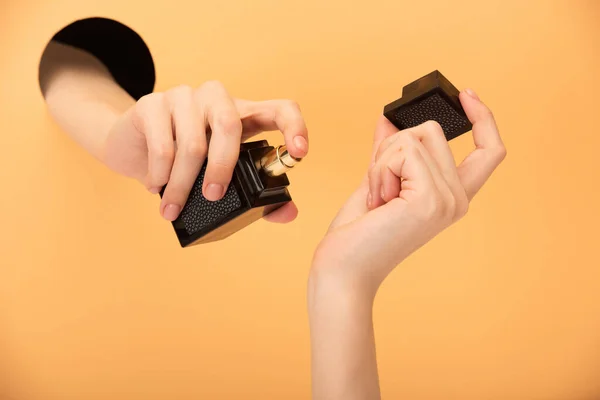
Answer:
x=164 y=140
x=412 y=192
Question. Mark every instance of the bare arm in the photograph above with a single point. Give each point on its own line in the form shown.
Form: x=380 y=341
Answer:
x=160 y=139
x=412 y=191
x=344 y=362
x=82 y=96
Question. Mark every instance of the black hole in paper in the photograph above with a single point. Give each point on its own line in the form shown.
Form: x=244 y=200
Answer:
x=118 y=47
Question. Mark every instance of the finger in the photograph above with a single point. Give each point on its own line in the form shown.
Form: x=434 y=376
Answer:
x=384 y=131
x=447 y=206
x=409 y=165
x=489 y=151
x=374 y=198
x=191 y=151
x=431 y=135
x=386 y=143
x=221 y=115
x=391 y=184
x=152 y=117
x=286 y=213
x=386 y=134
x=271 y=115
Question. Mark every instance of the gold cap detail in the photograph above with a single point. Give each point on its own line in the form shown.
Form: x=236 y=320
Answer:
x=278 y=161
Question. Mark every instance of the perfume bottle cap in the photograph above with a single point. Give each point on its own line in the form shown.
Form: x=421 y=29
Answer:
x=431 y=97
x=278 y=161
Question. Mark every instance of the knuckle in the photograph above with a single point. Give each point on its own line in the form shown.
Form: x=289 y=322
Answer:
x=151 y=100
x=461 y=205
x=389 y=140
x=181 y=91
x=196 y=148
x=409 y=146
x=429 y=210
x=144 y=101
x=439 y=208
x=145 y=107
x=212 y=85
x=449 y=207
x=163 y=151
x=433 y=128
x=139 y=119
x=501 y=153
x=462 y=208
x=407 y=134
x=228 y=125
x=432 y=207
x=291 y=105
x=487 y=113
x=409 y=138
x=221 y=164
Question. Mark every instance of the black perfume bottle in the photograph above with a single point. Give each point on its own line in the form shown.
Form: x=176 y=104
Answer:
x=258 y=187
x=430 y=98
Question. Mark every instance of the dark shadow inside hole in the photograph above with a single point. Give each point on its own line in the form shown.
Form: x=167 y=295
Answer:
x=118 y=47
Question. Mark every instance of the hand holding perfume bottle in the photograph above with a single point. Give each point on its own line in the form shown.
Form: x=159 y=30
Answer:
x=180 y=131
x=412 y=191
x=163 y=139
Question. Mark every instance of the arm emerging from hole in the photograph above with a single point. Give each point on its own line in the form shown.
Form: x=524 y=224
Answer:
x=161 y=139
x=82 y=95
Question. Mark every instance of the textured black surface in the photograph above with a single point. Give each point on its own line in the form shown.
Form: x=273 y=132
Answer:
x=200 y=213
x=430 y=98
x=251 y=195
x=434 y=108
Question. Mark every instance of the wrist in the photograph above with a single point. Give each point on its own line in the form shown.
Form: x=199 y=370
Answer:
x=331 y=284
x=340 y=311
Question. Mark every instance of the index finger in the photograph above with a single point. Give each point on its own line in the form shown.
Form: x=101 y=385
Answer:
x=270 y=115
x=489 y=151
x=384 y=130
x=221 y=114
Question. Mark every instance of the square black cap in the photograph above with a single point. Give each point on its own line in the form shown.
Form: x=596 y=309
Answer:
x=431 y=97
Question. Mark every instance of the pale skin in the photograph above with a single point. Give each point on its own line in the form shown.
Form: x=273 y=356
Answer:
x=412 y=191
x=163 y=138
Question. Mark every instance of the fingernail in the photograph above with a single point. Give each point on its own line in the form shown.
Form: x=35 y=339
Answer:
x=301 y=144
x=369 y=200
x=214 y=192
x=154 y=190
x=171 y=212
x=471 y=93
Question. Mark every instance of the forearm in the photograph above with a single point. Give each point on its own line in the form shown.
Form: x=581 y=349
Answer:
x=82 y=96
x=344 y=364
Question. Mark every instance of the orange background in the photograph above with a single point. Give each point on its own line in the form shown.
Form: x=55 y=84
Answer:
x=97 y=300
